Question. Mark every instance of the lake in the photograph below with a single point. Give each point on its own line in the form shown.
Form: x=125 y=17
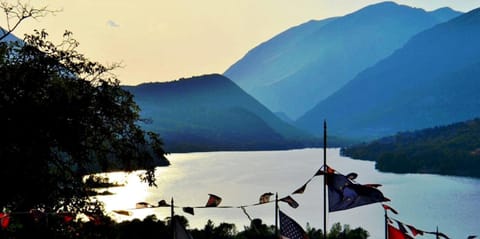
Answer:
x=422 y=200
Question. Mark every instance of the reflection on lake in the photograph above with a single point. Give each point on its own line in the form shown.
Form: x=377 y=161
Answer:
x=424 y=201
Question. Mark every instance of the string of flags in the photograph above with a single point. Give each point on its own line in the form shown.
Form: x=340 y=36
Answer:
x=36 y=215
x=343 y=193
x=400 y=230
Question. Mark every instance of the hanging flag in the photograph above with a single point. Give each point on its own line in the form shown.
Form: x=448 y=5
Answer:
x=289 y=229
x=4 y=220
x=140 y=205
x=438 y=234
x=189 y=210
x=386 y=207
x=181 y=232
x=321 y=171
x=163 y=203
x=213 y=201
x=344 y=194
x=302 y=188
x=265 y=198
x=394 y=233
x=123 y=212
x=290 y=201
x=401 y=227
x=415 y=231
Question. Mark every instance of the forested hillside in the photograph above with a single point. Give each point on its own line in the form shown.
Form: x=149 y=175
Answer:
x=210 y=112
x=451 y=150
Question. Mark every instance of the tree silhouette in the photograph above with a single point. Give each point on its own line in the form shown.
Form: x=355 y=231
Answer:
x=63 y=117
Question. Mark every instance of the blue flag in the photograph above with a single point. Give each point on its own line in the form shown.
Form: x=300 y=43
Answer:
x=344 y=194
x=290 y=228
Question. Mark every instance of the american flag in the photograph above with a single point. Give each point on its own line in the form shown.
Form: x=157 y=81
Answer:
x=290 y=228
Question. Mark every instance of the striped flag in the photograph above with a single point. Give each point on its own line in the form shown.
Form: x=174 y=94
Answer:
x=289 y=229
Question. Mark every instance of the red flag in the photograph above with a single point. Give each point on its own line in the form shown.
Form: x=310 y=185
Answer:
x=4 y=220
x=414 y=230
x=386 y=207
x=213 y=201
x=394 y=233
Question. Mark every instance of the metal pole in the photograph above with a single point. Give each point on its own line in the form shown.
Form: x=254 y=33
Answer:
x=325 y=179
x=386 y=224
x=172 y=214
x=276 y=214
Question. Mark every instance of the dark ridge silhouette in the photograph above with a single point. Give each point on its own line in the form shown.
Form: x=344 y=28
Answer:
x=210 y=112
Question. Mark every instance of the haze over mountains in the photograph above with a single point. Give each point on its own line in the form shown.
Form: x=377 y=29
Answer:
x=298 y=68
x=433 y=80
x=383 y=69
x=209 y=113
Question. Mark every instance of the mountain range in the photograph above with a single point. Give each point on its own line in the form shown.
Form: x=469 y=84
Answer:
x=302 y=66
x=432 y=80
x=210 y=112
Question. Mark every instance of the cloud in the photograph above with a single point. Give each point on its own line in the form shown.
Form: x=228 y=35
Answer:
x=111 y=23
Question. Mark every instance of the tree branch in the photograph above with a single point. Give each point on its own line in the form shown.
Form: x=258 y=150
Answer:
x=17 y=12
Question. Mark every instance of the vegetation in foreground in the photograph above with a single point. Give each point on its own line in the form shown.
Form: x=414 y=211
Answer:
x=151 y=227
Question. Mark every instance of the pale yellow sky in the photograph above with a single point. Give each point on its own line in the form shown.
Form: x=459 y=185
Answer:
x=160 y=40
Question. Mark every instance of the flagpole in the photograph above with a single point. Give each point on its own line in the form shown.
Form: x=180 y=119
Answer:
x=325 y=179
x=386 y=225
x=172 y=214
x=276 y=214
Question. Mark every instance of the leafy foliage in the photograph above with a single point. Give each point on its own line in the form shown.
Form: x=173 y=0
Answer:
x=62 y=117
x=151 y=227
x=452 y=150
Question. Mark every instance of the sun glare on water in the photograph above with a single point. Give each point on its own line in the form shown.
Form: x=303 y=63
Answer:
x=125 y=197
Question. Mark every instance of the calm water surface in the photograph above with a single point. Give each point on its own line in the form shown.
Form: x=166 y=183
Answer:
x=424 y=201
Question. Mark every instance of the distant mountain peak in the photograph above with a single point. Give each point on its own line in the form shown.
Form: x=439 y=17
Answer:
x=445 y=13
x=303 y=65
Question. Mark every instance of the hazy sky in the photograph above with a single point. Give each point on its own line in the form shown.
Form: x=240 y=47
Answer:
x=160 y=40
